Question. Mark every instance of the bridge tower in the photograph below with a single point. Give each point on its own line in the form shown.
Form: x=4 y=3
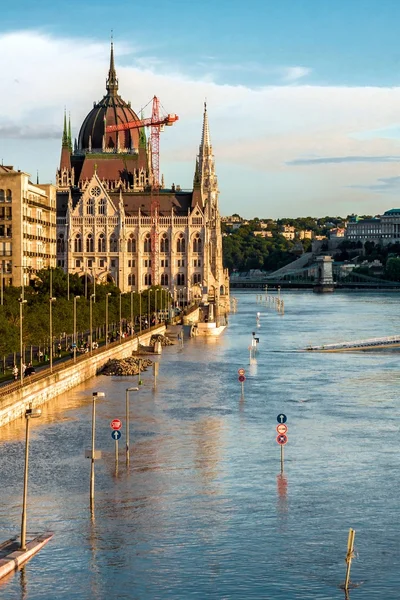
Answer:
x=325 y=275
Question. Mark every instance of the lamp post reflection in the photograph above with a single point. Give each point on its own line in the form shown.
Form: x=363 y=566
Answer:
x=131 y=389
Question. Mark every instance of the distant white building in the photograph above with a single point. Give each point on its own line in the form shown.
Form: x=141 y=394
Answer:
x=383 y=229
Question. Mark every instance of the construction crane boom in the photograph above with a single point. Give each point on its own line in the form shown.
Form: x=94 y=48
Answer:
x=167 y=121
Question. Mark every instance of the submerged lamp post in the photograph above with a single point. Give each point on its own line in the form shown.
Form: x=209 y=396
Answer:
x=30 y=413
x=95 y=395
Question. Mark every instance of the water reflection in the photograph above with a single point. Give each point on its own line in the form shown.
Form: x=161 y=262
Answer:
x=200 y=508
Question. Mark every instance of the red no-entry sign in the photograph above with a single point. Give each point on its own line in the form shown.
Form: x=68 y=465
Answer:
x=116 y=424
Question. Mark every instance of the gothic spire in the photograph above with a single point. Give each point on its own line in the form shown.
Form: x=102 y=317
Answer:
x=112 y=81
x=205 y=137
x=69 y=133
x=65 y=132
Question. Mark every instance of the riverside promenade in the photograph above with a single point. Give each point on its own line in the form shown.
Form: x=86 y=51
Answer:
x=48 y=383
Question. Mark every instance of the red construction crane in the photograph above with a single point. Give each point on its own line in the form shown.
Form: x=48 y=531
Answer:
x=157 y=124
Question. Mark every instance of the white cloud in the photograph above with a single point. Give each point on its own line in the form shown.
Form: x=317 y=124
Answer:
x=295 y=73
x=260 y=130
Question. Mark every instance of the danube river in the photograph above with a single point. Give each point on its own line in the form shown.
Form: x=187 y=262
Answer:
x=202 y=511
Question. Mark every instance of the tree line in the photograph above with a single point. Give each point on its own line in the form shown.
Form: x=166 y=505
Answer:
x=55 y=283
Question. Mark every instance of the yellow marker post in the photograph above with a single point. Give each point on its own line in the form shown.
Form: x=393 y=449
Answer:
x=349 y=556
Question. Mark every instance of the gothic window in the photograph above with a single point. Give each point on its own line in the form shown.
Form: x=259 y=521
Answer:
x=131 y=279
x=196 y=278
x=2 y=196
x=101 y=243
x=90 y=206
x=8 y=196
x=197 y=243
x=60 y=244
x=78 y=243
x=164 y=279
x=164 y=244
x=147 y=243
x=113 y=244
x=89 y=243
x=180 y=279
x=181 y=244
x=102 y=206
x=132 y=244
x=147 y=279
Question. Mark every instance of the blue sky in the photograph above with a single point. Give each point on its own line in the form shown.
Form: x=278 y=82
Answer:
x=303 y=95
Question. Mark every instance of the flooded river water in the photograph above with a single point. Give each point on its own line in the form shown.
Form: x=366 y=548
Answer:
x=202 y=511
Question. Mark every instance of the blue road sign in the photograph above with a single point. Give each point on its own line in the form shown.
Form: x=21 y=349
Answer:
x=115 y=435
x=281 y=418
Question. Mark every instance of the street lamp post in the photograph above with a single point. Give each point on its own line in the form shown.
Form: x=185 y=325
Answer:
x=21 y=345
x=120 y=317
x=148 y=305
x=132 y=324
x=95 y=395
x=75 y=341
x=51 y=300
x=91 y=322
x=107 y=296
x=155 y=305
x=131 y=389
x=140 y=312
x=30 y=413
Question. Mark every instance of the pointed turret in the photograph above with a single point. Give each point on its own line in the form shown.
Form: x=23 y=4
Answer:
x=64 y=172
x=205 y=138
x=205 y=177
x=69 y=133
x=65 y=132
x=112 y=81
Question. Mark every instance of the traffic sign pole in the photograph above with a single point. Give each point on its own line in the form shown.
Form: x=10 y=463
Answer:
x=282 y=437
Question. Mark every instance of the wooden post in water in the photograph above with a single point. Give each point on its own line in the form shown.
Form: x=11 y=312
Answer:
x=140 y=382
x=349 y=556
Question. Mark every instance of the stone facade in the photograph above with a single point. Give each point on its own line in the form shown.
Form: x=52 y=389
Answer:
x=27 y=227
x=107 y=229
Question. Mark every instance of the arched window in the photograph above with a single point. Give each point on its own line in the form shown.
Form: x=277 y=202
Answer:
x=78 y=243
x=90 y=206
x=2 y=196
x=8 y=196
x=196 y=278
x=147 y=279
x=131 y=279
x=132 y=244
x=180 y=279
x=89 y=243
x=164 y=243
x=197 y=243
x=60 y=244
x=164 y=279
x=147 y=243
x=113 y=244
x=102 y=206
x=181 y=244
x=101 y=243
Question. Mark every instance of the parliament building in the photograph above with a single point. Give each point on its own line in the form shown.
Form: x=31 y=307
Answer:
x=107 y=229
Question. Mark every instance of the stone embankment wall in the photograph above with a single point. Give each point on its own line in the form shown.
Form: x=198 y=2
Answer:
x=14 y=404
